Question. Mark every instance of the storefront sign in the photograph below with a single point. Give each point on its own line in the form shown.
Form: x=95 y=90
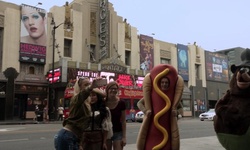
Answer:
x=114 y=68
x=57 y=75
x=130 y=93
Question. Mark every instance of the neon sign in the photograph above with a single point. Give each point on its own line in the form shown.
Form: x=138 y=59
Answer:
x=139 y=81
x=110 y=76
x=57 y=75
x=90 y=74
x=124 y=80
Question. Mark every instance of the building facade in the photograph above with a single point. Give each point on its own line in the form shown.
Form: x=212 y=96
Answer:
x=88 y=38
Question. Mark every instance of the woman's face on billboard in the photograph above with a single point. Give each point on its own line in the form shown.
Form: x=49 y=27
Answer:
x=33 y=22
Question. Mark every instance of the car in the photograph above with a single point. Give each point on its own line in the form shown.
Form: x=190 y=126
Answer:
x=139 y=116
x=209 y=115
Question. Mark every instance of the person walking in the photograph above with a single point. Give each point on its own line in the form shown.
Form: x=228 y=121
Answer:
x=60 y=113
x=117 y=108
x=36 y=112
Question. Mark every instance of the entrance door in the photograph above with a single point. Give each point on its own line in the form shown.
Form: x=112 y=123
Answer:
x=20 y=105
x=2 y=108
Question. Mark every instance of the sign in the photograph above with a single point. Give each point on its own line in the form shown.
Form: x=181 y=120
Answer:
x=33 y=35
x=57 y=75
x=114 y=68
x=103 y=29
x=90 y=74
x=124 y=80
x=139 y=81
x=133 y=93
x=217 y=68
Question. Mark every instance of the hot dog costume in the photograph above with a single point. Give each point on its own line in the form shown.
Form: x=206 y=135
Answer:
x=159 y=131
x=232 y=119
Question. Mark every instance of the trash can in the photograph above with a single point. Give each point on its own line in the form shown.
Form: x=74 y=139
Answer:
x=39 y=116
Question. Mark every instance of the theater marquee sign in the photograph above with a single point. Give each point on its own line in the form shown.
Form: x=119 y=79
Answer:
x=103 y=29
x=114 y=68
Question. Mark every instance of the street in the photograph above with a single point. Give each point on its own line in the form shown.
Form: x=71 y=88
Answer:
x=40 y=136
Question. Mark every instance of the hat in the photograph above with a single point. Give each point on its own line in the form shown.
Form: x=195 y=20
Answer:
x=245 y=58
x=99 y=92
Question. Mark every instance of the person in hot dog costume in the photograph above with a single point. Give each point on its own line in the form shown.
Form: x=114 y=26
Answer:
x=162 y=91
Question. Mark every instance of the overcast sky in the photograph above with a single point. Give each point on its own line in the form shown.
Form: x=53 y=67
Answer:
x=212 y=24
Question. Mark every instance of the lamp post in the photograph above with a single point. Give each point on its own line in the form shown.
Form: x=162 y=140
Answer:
x=52 y=91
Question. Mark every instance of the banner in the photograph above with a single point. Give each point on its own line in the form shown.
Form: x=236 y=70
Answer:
x=182 y=57
x=33 y=35
x=146 y=52
x=216 y=67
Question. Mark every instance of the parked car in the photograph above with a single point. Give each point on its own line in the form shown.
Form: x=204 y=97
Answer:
x=139 y=116
x=209 y=115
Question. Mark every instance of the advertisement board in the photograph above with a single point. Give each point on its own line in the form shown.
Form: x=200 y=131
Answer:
x=182 y=57
x=146 y=52
x=216 y=67
x=33 y=35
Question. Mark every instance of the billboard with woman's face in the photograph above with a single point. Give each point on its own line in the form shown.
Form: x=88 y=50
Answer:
x=216 y=67
x=33 y=35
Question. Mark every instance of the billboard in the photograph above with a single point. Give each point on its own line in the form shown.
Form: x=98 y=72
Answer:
x=182 y=57
x=33 y=35
x=146 y=52
x=124 y=80
x=216 y=67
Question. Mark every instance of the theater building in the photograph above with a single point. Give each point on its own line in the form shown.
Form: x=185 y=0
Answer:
x=88 y=38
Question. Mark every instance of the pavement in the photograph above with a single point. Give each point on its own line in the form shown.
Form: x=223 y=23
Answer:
x=200 y=143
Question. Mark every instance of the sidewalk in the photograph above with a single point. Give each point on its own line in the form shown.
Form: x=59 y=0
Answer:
x=202 y=143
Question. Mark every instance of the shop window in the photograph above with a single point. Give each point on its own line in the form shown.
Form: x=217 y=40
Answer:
x=186 y=105
x=67 y=47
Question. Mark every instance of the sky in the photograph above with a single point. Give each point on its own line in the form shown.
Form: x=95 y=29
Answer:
x=213 y=24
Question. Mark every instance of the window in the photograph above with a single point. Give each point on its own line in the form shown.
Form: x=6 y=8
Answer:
x=186 y=105
x=31 y=70
x=127 y=58
x=165 y=61
x=92 y=53
x=197 y=71
x=67 y=47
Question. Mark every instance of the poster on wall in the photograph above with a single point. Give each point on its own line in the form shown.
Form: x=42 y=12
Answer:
x=182 y=57
x=33 y=35
x=146 y=52
x=216 y=67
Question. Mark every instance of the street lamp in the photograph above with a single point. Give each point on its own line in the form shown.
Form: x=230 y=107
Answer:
x=52 y=91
